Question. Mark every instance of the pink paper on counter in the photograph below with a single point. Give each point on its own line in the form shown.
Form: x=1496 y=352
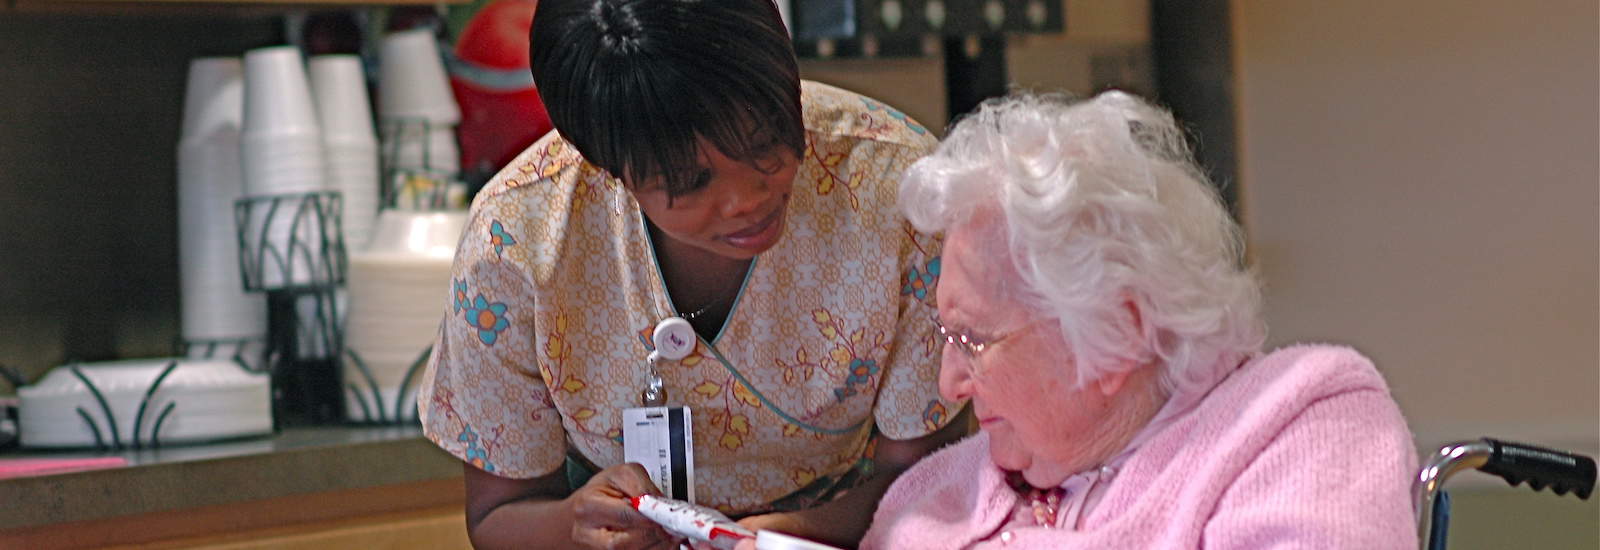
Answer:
x=20 y=467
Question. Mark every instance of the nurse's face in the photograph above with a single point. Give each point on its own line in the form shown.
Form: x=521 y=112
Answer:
x=738 y=210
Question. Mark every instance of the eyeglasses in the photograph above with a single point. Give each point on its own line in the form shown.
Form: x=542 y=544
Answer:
x=970 y=345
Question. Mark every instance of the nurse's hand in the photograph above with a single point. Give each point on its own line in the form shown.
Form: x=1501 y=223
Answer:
x=603 y=514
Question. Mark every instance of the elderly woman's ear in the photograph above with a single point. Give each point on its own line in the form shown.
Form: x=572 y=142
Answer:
x=1134 y=333
x=1132 y=330
x=1112 y=383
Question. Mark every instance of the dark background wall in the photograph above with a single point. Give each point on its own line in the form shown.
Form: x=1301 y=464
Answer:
x=90 y=106
x=1192 y=45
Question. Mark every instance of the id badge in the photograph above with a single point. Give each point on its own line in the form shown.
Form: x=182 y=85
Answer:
x=662 y=440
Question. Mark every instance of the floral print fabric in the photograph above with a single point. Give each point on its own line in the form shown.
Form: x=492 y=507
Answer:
x=555 y=293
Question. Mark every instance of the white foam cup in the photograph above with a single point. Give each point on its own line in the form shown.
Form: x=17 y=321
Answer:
x=339 y=89
x=277 y=96
x=213 y=98
x=412 y=79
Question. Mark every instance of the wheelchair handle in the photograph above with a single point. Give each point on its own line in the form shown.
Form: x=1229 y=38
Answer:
x=1514 y=462
x=1540 y=467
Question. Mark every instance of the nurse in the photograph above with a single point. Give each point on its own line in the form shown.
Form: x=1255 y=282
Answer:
x=692 y=175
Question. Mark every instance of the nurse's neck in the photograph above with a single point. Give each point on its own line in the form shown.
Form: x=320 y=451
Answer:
x=699 y=280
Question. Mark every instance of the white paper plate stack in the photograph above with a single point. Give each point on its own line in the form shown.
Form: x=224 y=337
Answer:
x=399 y=292
x=214 y=303
x=212 y=399
x=417 y=109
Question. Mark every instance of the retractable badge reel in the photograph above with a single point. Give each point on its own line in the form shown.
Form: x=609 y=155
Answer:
x=655 y=436
x=674 y=339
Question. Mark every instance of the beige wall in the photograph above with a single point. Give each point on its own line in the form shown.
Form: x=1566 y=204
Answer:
x=1420 y=181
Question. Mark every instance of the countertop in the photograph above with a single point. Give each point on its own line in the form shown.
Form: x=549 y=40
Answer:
x=292 y=462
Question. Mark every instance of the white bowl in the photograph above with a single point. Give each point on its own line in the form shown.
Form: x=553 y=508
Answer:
x=417 y=234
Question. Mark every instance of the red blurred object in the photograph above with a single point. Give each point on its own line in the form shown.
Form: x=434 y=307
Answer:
x=501 y=113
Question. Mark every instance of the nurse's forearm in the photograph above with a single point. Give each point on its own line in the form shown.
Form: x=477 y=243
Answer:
x=539 y=522
x=840 y=522
x=517 y=513
x=538 y=513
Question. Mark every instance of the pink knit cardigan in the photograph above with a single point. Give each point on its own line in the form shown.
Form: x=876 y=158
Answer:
x=1302 y=448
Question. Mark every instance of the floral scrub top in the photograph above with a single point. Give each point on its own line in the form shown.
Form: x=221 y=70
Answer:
x=556 y=290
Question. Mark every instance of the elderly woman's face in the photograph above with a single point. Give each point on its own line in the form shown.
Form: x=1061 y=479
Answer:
x=1021 y=384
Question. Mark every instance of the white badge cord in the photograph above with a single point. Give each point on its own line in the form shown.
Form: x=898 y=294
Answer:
x=674 y=339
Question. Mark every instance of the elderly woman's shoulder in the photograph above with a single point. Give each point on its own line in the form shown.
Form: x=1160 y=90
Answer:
x=1304 y=373
x=1329 y=363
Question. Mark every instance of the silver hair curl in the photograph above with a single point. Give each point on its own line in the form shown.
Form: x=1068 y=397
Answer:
x=1101 y=205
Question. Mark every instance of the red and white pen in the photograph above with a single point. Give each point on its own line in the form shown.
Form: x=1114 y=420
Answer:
x=693 y=522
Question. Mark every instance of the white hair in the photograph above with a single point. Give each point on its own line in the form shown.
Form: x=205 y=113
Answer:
x=1102 y=206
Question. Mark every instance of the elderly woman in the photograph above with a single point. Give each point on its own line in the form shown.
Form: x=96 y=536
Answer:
x=1097 y=315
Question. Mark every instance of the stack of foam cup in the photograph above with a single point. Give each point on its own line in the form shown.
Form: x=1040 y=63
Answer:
x=282 y=155
x=214 y=303
x=349 y=144
x=418 y=112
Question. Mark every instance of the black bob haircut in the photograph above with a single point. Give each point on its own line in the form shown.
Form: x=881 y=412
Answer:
x=633 y=83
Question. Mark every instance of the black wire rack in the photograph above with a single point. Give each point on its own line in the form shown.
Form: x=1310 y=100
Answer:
x=421 y=182
x=370 y=399
x=251 y=354
x=9 y=426
x=291 y=242
x=291 y=247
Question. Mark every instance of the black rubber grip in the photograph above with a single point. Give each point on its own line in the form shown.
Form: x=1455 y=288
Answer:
x=1541 y=468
